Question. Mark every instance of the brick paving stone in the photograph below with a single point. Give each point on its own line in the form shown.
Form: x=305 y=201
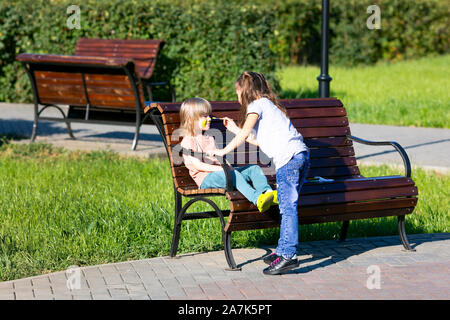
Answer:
x=195 y=292
x=24 y=294
x=424 y=274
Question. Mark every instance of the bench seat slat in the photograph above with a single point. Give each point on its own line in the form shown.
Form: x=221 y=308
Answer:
x=272 y=223
x=324 y=210
x=337 y=197
x=343 y=185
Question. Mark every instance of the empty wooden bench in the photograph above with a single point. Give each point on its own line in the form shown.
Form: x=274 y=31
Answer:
x=324 y=126
x=98 y=90
x=121 y=105
x=143 y=52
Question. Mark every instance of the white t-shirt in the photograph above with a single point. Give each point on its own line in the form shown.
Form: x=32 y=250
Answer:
x=275 y=134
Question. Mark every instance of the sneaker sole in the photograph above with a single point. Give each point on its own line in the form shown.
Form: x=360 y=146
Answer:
x=282 y=270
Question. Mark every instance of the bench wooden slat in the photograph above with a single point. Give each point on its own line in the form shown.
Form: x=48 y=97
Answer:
x=323 y=210
x=196 y=191
x=174 y=107
x=344 y=185
x=316 y=154
x=347 y=196
x=93 y=93
x=182 y=171
x=236 y=226
x=332 y=172
x=338 y=197
x=136 y=51
x=318 y=112
x=143 y=51
x=298 y=123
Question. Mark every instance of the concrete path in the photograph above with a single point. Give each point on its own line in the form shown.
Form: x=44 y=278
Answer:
x=365 y=268
x=426 y=147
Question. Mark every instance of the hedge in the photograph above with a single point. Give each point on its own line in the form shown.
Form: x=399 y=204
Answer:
x=211 y=42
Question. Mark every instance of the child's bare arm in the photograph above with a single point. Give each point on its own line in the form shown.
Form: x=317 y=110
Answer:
x=202 y=166
x=231 y=126
x=251 y=139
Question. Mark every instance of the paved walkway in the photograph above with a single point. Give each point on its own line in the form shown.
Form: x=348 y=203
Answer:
x=365 y=268
x=328 y=269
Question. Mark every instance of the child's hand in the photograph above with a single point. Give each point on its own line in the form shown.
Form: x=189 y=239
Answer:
x=230 y=125
x=217 y=152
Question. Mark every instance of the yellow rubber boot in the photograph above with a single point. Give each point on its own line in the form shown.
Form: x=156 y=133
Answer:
x=275 y=197
x=264 y=202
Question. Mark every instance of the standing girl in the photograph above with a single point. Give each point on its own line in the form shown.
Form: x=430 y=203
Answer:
x=279 y=140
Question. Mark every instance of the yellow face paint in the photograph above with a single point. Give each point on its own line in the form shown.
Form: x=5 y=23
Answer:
x=205 y=121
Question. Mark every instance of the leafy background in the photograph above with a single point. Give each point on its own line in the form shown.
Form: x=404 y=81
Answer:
x=209 y=43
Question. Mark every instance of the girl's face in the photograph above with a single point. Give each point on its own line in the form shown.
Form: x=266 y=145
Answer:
x=203 y=123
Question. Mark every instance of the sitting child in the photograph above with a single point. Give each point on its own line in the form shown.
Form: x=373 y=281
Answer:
x=195 y=118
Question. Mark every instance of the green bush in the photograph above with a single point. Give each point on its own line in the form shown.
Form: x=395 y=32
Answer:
x=211 y=42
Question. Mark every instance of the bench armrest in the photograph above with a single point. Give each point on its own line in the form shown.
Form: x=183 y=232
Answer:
x=397 y=146
x=225 y=166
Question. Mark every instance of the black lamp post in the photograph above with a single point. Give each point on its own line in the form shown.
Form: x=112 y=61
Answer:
x=324 y=78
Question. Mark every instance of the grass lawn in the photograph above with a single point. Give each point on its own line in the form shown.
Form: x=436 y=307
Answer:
x=61 y=208
x=407 y=93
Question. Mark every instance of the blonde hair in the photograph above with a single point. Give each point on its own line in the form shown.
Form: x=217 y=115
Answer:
x=191 y=110
x=253 y=86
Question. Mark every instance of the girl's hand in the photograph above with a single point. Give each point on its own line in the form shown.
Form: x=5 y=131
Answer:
x=230 y=125
x=217 y=152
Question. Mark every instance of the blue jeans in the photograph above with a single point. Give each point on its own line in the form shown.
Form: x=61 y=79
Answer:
x=290 y=179
x=241 y=178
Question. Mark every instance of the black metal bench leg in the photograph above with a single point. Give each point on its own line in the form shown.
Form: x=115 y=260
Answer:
x=175 y=239
x=35 y=122
x=136 y=138
x=228 y=252
x=176 y=225
x=344 y=230
x=69 y=131
x=33 y=133
x=401 y=230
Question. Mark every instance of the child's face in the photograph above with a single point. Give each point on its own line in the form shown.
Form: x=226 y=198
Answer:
x=204 y=122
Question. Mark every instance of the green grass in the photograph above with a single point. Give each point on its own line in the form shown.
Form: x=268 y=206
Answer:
x=407 y=93
x=61 y=208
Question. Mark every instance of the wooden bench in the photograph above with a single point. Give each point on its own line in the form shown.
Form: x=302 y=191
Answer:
x=142 y=51
x=98 y=90
x=102 y=83
x=324 y=126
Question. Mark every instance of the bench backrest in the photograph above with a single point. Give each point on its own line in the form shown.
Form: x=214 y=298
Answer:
x=143 y=52
x=322 y=123
x=77 y=81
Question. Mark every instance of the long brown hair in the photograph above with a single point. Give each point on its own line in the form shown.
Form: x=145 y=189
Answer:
x=253 y=86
